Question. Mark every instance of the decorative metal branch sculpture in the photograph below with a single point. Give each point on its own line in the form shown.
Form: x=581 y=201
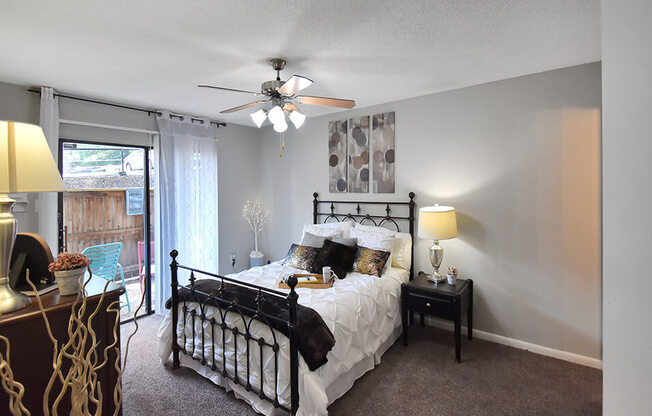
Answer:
x=256 y=216
x=81 y=352
x=14 y=389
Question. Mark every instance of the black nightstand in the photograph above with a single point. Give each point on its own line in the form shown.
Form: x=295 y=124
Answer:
x=442 y=301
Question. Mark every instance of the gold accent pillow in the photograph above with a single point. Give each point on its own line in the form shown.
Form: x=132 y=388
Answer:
x=368 y=261
x=301 y=257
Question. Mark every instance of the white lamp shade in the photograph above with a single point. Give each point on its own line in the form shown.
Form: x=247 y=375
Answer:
x=259 y=117
x=297 y=118
x=26 y=163
x=437 y=223
x=276 y=115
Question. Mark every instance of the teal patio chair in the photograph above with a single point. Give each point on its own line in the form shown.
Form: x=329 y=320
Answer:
x=104 y=264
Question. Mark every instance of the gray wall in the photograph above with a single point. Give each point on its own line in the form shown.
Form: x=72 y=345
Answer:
x=238 y=166
x=239 y=174
x=520 y=160
x=627 y=184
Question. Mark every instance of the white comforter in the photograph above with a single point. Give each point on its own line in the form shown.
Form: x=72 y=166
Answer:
x=362 y=312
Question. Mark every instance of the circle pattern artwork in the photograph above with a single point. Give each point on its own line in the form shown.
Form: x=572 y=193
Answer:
x=384 y=153
x=337 y=160
x=359 y=147
x=334 y=139
x=359 y=137
x=389 y=156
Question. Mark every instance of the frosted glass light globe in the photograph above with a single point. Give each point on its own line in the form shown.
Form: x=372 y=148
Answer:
x=276 y=115
x=280 y=127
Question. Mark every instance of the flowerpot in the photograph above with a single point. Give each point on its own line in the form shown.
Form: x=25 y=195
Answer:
x=452 y=278
x=256 y=260
x=68 y=281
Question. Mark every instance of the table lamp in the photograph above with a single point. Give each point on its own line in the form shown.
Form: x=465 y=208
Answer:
x=26 y=165
x=437 y=223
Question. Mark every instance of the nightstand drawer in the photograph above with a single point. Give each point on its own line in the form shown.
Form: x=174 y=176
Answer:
x=431 y=305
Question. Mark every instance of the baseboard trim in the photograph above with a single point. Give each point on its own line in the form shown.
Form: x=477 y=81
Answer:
x=522 y=345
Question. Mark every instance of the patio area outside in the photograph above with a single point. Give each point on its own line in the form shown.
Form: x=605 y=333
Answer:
x=103 y=204
x=135 y=296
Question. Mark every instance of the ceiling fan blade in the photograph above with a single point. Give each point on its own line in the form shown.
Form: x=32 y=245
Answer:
x=290 y=107
x=242 y=107
x=230 y=89
x=330 y=102
x=295 y=84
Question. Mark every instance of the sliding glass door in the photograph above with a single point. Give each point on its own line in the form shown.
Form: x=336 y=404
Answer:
x=107 y=202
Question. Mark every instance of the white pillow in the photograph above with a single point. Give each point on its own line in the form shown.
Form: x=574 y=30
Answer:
x=376 y=241
x=372 y=228
x=373 y=239
x=329 y=229
x=312 y=240
x=402 y=251
x=402 y=248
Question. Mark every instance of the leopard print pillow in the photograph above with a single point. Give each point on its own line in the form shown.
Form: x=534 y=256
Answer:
x=368 y=261
x=301 y=257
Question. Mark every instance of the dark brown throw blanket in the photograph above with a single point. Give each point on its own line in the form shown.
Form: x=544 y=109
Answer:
x=314 y=339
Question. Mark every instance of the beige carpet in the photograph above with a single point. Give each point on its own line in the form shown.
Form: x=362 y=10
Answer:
x=421 y=379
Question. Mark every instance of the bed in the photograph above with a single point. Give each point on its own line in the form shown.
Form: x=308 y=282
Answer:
x=241 y=346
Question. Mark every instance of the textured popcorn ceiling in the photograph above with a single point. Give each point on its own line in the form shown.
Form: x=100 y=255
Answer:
x=153 y=53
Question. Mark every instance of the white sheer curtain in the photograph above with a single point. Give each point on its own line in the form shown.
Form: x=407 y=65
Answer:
x=47 y=201
x=188 y=199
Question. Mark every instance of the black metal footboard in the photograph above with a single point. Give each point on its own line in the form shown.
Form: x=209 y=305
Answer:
x=221 y=328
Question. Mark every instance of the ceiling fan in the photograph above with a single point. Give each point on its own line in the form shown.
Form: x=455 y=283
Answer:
x=282 y=96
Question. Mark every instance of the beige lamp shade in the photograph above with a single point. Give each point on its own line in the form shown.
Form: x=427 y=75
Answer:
x=26 y=163
x=437 y=223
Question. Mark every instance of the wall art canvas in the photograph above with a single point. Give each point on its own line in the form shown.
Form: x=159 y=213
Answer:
x=383 y=150
x=337 y=163
x=358 y=154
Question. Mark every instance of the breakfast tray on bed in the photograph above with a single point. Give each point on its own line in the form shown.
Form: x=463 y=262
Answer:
x=319 y=285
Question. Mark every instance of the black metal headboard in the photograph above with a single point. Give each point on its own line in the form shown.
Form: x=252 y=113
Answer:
x=362 y=215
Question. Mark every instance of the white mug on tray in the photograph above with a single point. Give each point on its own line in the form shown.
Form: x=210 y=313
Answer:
x=327 y=274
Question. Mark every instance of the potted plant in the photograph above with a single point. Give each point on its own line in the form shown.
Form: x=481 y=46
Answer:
x=256 y=216
x=452 y=275
x=68 y=269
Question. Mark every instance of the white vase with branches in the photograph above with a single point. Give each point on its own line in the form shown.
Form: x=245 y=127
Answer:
x=254 y=213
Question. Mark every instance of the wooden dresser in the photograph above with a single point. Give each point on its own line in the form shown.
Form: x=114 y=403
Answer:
x=31 y=348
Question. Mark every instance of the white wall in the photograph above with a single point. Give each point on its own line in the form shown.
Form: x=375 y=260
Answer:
x=238 y=167
x=520 y=160
x=627 y=196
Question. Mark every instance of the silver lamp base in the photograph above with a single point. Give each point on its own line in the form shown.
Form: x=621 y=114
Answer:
x=436 y=256
x=10 y=300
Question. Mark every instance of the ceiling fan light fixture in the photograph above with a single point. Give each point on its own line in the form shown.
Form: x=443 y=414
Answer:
x=276 y=115
x=297 y=118
x=259 y=117
x=280 y=127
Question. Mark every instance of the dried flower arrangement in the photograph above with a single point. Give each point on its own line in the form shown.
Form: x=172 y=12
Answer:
x=255 y=214
x=68 y=261
x=452 y=271
x=79 y=353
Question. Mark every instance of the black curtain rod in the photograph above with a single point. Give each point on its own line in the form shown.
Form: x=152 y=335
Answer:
x=127 y=107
